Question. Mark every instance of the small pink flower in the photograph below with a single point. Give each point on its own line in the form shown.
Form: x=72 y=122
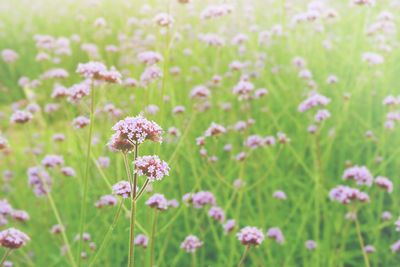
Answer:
x=173 y=203
x=3 y=143
x=134 y=130
x=202 y=198
x=68 y=171
x=163 y=19
x=215 y=130
x=149 y=57
x=279 y=194
x=228 y=226
x=141 y=240
x=158 y=201
x=250 y=236
x=21 y=116
x=369 y=249
x=276 y=234
x=51 y=161
x=217 y=213
x=122 y=188
x=385 y=183
x=395 y=247
x=107 y=200
x=200 y=92
x=85 y=237
x=311 y=244
x=152 y=167
x=361 y=174
x=5 y=207
x=13 y=238
x=20 y=215
x=191 y=243
x=80 y=122
x=345 y=194
x=9 y=55
x=313 y=101
x=386 y=215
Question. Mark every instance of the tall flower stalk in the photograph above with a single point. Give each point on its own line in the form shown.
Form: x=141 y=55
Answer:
x=129 y=134
x=95 y=72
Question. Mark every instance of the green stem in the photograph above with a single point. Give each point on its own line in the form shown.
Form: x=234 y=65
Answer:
x=86 y=177
x=142 y=189
x=52 y=203
x=153 y=233
x=246 y=252
x=133 y=211
x=107 y=236
x=8 y=251
x=193 y=260
x=361 y=241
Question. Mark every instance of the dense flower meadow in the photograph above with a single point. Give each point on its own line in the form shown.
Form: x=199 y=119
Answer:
x=199 y=133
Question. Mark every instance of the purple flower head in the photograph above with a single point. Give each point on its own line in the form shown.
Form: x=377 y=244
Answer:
x=191 y=243
x=250 y=236
x=152 y=167
x=13 y=238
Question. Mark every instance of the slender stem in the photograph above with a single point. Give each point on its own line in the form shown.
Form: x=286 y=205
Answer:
x=8 y=251
x=107 y=236
x=133 y=212
x=132 y=233
x=193 y=260
x=86 y=177
x=52 y=204
x=361 y=241
x=244 y=256
x=142 y=189
x=128 y=172
x=135 y=175
x=153 y=233
x=165 y=67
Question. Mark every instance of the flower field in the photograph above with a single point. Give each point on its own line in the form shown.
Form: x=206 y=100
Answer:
x=199 y=133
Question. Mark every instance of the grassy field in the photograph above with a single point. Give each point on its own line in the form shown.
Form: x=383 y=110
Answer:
x=351 y=50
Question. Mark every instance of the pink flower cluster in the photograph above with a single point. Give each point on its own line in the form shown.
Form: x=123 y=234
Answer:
x=13 y=238
x=217 y=213
x=141 y=240
x=215 y=130
x=107 y=200
x=122 y=188
x=152 y=167
x=149 y=57
x=200 y=199
x=214 y=11
x=243 y=89
x=158 y=201
x=98 y=71
x=313 y=101
x=3 y=143
x=385 y=183
x=250 y=236
x=36 y=176
x=200 y=92
x=21 y=116
x=51 y=161
x=361 y=174
x=76 y=92
x=80 y=122
x=345 y=194
x=163 y=19
x=276 y=233
x=134 y=130
x=5 y=207
x=191 y=243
